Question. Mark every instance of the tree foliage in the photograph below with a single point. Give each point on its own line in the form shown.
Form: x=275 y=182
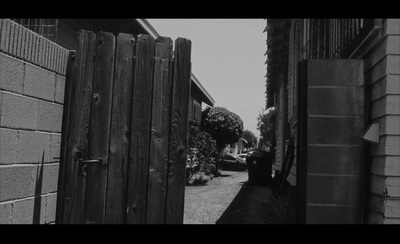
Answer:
x=250 y=138
x=266 y=126
x=223 y=125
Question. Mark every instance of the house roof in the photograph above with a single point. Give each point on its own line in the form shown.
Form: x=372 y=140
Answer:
x=151 y=31
x=277 y=53
x=206 y=96
x=148 y=28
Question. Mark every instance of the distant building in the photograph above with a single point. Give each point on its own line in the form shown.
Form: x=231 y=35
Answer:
x=237 y=147
x=198 y=96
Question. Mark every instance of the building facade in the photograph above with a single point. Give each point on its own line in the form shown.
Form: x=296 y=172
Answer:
x=343 y=74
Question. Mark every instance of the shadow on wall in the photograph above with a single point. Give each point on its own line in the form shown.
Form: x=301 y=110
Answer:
x=38 y=192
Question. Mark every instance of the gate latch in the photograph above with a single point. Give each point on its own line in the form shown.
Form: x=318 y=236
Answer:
x=91 y=161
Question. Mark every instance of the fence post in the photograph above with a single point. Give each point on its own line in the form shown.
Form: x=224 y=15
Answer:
x=64 y=132
x=74 y=181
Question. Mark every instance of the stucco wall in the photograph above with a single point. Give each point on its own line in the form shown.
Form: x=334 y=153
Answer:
x=32 y=80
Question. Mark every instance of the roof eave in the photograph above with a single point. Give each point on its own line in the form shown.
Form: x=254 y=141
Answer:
x=208 y=99
x=151 y=31
x=147 y=27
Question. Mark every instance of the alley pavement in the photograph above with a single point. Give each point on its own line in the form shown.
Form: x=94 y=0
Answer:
x=229 y=200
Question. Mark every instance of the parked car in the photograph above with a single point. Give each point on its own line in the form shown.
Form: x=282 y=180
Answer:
x=233 y=162
x=242 y=155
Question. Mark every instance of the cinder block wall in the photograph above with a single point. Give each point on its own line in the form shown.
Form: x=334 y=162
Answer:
x=32 y=80
x=382 y=78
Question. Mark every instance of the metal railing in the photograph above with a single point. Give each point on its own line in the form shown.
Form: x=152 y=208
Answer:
x=44 y=27
x=333 y=38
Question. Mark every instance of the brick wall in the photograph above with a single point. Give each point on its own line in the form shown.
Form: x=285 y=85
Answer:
x=32 y=80
x=382 y=77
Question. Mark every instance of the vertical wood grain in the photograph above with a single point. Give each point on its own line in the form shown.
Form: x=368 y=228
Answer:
x=78 y=127
x=64 y=133
x=126 y=104
x=159 y=145
x=99 y=132
x=120 y=130
x=179 y=132
x=140 y=130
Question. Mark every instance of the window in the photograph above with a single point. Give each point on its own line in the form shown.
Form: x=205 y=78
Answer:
x=196 y=111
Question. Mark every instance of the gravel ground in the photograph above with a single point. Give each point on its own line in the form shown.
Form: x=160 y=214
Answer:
x=205 y=204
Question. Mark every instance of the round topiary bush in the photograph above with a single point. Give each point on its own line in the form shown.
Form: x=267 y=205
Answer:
x=223 y=125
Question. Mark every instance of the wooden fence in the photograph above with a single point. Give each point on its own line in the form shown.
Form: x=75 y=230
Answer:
x=124 y=135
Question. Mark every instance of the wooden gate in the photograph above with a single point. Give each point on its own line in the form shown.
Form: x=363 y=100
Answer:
x=124 y=135
x=330 y=168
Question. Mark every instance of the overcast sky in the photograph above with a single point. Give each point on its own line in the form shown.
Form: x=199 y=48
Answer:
x=228 y=60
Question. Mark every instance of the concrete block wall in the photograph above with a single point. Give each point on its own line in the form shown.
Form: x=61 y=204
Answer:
x=382 y=78
x=335 y=122
x=32 y=80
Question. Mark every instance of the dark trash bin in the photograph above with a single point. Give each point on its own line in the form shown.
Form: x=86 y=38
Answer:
x=259 y=168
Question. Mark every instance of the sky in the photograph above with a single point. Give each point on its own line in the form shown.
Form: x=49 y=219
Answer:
x=228 y=59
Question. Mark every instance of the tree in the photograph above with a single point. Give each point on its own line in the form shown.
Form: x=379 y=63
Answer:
x=250 y=138
x=266 y=126
x=223 y=125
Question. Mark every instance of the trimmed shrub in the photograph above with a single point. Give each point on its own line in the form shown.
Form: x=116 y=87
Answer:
x=200 y=166
x=223 y=125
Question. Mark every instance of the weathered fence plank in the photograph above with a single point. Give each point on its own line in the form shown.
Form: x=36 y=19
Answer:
x=140 y=135
x=99 y=132
x=160 y=127
x=78 y=127
x=120 y=130
x=64 y=133
x=179 y=129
